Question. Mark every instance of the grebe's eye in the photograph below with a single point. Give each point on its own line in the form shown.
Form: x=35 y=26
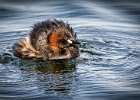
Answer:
x=63 y=41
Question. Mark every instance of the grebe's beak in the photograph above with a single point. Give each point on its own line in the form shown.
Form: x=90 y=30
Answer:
x=76 y=42
x=73 y=42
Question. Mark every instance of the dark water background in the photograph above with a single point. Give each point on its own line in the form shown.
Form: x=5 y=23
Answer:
x=108 y=67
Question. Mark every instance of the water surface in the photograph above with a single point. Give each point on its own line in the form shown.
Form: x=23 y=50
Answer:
x=109 y=64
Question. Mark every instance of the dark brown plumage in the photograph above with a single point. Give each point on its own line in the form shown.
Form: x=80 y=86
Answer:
x=48 y=40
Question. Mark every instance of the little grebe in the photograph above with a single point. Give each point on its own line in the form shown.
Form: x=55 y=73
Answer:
x=48 y=40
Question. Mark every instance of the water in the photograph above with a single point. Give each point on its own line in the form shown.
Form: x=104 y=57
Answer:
x=109 y=64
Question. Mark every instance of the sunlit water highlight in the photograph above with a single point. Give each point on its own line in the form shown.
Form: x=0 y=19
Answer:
x=109 y=64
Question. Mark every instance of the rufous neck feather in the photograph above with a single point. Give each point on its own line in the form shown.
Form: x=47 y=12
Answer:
x=53 y=39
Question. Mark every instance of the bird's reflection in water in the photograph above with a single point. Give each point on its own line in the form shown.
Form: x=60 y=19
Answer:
x=57 y=67
x=57 y=77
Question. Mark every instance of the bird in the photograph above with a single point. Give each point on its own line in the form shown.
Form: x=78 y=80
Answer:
x=48 y=40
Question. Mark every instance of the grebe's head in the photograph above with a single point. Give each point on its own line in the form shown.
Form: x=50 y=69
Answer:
x=62 y=38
